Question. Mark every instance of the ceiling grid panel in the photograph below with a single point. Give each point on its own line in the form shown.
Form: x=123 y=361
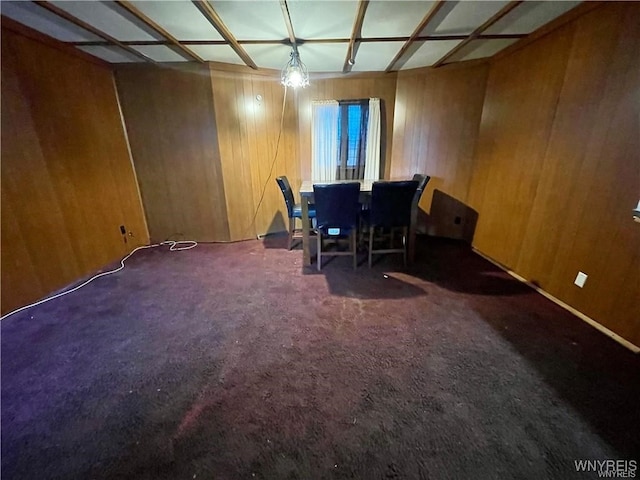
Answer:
x=331 y=35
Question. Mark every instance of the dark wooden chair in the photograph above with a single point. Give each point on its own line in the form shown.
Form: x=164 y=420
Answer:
x=337 y=210
x=294 y=210
x=391 y=206
x=422 y=183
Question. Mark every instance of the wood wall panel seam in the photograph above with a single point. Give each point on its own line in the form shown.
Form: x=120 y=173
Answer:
x=78 y=187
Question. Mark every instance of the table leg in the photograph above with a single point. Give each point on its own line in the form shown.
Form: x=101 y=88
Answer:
x=412 y=242
x=306 y=253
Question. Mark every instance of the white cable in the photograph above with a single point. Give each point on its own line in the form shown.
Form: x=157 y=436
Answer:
x=173 y=248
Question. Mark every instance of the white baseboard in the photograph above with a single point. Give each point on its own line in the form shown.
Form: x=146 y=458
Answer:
x=580 y=315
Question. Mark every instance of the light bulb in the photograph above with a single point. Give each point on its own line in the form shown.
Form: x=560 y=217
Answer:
x=295 y=79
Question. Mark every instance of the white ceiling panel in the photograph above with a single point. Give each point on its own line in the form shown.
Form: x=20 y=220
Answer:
x=103 y=16
x=442 y=13
x=315 y=19
x=481 y=49
x=323 y=57
x=375 y=56
x=160 y=53
x=181 y=18
x=467 y=16
x=429 y=53
x=269 y=56
x=529 y=16
x=216 y=53
x=111 y=54
x=253 y=20
x=393 y=19
x=46 y=22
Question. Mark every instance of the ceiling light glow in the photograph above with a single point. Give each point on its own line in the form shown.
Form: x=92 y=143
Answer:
x=295 y=73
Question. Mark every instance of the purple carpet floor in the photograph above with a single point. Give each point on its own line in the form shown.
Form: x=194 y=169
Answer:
x=234 y=362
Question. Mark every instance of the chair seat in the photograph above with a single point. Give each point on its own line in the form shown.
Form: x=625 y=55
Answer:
x=297 y=211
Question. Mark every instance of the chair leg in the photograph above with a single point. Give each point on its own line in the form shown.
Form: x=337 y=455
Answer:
x=292 y=226
x=319 y=249
x=371 y=228
x=354 y=235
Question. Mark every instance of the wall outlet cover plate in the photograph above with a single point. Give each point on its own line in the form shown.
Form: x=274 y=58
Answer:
x=580 y=279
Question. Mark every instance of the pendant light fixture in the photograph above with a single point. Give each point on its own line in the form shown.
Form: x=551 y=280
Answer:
x=295 y=73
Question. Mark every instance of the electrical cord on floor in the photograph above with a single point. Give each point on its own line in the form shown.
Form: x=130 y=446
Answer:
x=174 y=244
x=174 y=247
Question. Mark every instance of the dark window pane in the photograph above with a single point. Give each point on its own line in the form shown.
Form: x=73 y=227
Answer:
x=355 y=111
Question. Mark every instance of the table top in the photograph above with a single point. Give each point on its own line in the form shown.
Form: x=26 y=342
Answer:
x=306 y=189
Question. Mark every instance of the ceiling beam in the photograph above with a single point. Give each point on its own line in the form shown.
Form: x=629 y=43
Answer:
x=431 y=14
x=214 y=19
x=90 y=28
x=157 y=28
x=66 y=47
x=432 y=38
x=476 y=33
x=352 y=50
x=287 y=21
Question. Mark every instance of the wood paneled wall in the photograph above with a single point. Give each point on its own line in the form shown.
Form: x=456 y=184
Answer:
x=249 y=112
x=381 y=86
x=67 y=178
x=436 y=124
x=557 y=168
x=172 y=131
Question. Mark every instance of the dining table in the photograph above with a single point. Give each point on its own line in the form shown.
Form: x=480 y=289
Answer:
x=306 y=198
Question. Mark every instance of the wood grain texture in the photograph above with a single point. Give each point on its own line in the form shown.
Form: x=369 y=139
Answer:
x=558 y=170
x=249 y=113
x=435 y=130
x=174 y=142
x=67 y=178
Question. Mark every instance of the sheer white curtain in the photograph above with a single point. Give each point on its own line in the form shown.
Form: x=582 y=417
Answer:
x=324 y=140
x=372 y=160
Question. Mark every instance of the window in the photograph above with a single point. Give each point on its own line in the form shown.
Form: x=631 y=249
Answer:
x=352 y=139
x=345 y=139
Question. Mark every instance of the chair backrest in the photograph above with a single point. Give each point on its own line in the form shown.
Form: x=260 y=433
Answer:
x=422 y=182
x=284 y=185
x=391 y=203
x=337 y=206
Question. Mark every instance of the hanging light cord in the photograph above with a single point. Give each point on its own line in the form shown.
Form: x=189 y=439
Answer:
x=273 y=162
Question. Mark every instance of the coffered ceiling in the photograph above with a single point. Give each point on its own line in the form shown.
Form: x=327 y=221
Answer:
x=331 y=35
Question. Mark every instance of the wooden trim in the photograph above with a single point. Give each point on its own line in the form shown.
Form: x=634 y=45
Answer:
x=449 y=66
x=352 y=49
x=214 y=19
x=431 y=38
x=563 y=19
x=79 y=23
x=351 y=75
x=32 y=34
x=287 y=21
x=233 y=68
x=476 y=33
x=431 y=14
x=131 y=162
x=622 y=341
x=154 y=26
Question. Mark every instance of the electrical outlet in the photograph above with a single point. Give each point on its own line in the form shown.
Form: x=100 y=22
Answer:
x=581 y=278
